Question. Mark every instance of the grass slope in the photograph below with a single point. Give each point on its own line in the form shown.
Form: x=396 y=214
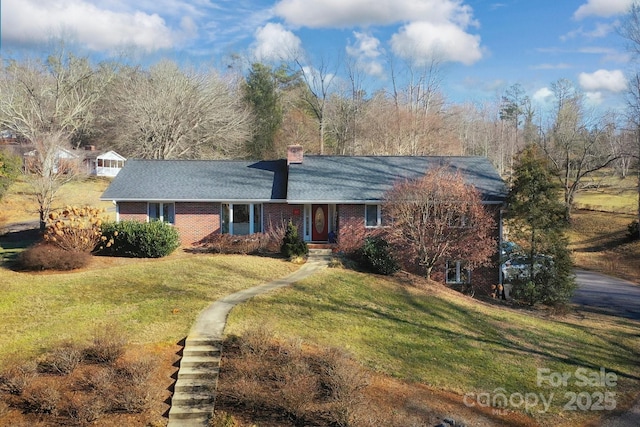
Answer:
x=437 y=337
x=155 y=300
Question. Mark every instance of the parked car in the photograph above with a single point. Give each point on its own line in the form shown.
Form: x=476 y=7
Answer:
x=518 y=266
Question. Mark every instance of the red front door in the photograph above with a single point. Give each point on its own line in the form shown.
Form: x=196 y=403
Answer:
x=319 y=223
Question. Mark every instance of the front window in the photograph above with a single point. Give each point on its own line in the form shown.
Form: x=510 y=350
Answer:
x=241 y=219
x=457 y=272
x=372 y=217
x=164 y=212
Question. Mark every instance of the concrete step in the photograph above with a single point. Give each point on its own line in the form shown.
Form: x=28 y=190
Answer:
x=198 y=372
x=201 y=350
x=179 y=415
x=320 y=252
x=200 y=361
x=194 y=400
x=194 y=385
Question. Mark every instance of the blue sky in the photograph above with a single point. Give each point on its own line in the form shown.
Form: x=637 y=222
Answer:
x=482 y=46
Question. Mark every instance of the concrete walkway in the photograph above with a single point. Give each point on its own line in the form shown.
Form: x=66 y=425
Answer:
x=193 y=399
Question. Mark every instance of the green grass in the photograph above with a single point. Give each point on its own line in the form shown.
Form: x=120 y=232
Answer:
x=155 y=301
x=609 y=194
x=443 y=339
x=19 y=204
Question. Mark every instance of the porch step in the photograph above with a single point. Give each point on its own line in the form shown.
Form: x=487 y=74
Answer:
x=330 y=246
x=320 y=252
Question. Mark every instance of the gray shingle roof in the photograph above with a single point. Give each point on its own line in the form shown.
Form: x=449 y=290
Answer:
x=193 y=180
x=321 y=179
x=360 y=179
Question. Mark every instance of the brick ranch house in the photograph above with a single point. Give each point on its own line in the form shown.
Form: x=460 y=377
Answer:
x=322 y=195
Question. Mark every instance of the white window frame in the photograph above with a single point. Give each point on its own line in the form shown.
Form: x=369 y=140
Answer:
x=460 y=269
x=378 y=215
x=161 y=212
x=252 y=224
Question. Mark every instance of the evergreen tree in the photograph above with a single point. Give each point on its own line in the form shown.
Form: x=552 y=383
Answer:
x=261 y=94
x=9 y=170
x=537 y=221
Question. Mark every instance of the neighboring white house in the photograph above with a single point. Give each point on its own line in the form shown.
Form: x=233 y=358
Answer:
x=63 y=160
x=91 y=161
x=104 y=164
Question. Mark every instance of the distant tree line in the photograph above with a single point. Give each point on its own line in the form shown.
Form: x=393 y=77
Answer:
x=169 y=111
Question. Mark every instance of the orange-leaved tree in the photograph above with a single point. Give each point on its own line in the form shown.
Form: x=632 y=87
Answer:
x=439 y=217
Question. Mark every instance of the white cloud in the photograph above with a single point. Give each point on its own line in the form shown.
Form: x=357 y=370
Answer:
x=542 y=95
x=97 y=28
x=612 y=81
x=349 y=13
x=547 y=66
x=366 y=50
x=601 y=30
x=443 y=41
x=275 y=43
x=602 y=8
x=594 y=98
x=429 y=27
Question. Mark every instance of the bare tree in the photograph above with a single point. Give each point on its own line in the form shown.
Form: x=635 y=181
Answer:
x=170 y=113
x=49 y=103
x=633 y=116
x=418 y=107
x=318 y=81
x=437 y=218
x=630 y=30
x=575 y=148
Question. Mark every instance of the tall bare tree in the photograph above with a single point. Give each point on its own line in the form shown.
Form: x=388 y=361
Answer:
x=576 y=148
x=318 y=83
x=49 y=103
x=630 y=30
x=169 y=113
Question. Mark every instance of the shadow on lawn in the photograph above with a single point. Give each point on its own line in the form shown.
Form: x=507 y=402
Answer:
x=14 y=242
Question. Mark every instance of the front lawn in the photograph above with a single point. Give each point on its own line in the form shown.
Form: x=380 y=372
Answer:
x=153 y=300
x=433 y=336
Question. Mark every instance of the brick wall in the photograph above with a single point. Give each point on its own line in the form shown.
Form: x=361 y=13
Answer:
x=133 y=211
x=197 y=220
x=275 y=214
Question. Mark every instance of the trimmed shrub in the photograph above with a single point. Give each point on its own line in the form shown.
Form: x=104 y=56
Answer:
x=46 y=256
x=632 y=230
x=137 y=239
x=230 y=244
x=375 y=255
x=292 y=245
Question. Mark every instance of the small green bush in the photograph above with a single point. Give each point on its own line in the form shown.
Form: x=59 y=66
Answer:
x=292 y=245
x=375 y=255
x=137 y=239
x=46 y=256
x=632 y=230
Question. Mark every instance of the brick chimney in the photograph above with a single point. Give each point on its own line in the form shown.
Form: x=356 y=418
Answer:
x=295 y=154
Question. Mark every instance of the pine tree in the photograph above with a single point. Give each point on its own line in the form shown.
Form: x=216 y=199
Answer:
x=537 y=221
x=261 y=94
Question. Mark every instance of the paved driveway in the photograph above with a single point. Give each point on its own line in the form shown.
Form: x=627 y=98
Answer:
x=600 y=293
